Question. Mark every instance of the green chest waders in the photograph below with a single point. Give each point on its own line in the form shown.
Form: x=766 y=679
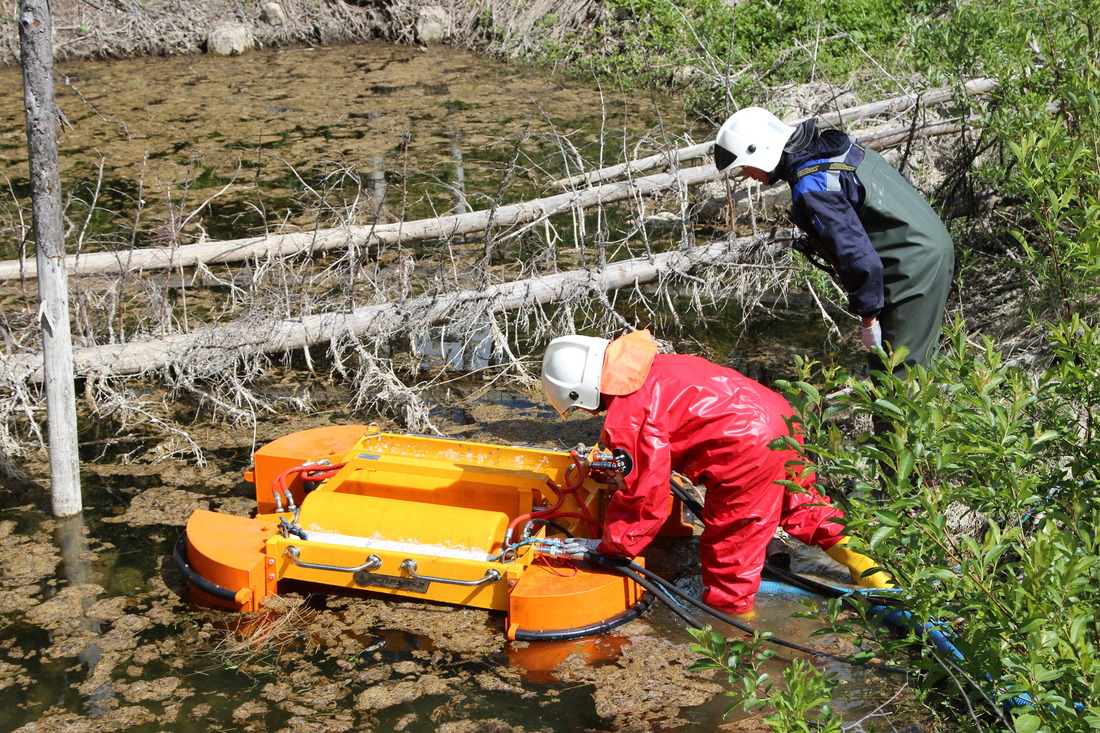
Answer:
x=917 y=259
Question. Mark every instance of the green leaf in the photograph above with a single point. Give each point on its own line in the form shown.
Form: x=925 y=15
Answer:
x=888 y=519
x=704 y=664
x=1048 y=675
x=1028 y=723
x=880 y=534
x=943 y=574
x=1031 y=625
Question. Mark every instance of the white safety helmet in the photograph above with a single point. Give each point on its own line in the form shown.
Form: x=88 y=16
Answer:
x=751 y=137
x=571 y=370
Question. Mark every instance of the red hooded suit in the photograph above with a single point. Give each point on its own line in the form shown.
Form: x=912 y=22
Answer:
x=714 y=426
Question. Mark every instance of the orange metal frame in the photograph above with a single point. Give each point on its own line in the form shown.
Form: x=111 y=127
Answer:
x=350 y=507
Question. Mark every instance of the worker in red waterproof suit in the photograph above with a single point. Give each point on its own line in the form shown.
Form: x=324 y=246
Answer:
x=672 y=412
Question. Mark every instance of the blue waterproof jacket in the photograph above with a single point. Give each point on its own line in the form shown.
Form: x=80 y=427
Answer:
x=887 y=247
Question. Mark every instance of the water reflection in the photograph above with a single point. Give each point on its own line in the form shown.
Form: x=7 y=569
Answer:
x=72 y=539
x=377 y=177
x=458 y=188
x=540 y=660
x=460 y=348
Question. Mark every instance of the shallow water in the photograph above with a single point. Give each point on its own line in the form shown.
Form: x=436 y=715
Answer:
x=104 y=626
x=97 y=632
x=342 y=123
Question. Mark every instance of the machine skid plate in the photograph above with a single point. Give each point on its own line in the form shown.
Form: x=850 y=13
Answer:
x=228 y=553
x=551 y=601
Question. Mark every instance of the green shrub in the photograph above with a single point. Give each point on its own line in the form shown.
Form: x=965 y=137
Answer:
x=738 y=47
x=980 y=497
x=1041 y=128
x=799 y=705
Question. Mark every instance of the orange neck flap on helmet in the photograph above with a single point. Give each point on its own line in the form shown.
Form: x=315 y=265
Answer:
x=627 y=363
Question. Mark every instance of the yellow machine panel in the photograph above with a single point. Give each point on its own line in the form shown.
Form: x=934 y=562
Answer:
x=451 y=521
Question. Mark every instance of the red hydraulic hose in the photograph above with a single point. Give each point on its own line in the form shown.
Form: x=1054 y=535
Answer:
x=571 y=489
x=314 y=472
x=551 y=512
x=541 y=514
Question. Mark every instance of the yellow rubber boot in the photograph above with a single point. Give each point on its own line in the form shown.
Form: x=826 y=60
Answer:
x=859 y=564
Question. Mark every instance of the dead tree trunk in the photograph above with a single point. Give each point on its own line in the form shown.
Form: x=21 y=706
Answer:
x=442 y=227
x=219 y=345
x=36 y=46
x=893 y=106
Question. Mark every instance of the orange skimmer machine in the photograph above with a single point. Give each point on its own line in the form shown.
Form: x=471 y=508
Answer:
x=473 y=524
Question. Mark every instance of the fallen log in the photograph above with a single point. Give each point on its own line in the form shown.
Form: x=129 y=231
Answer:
x=217 y=346
x=895 y=105
x=320 y=240
x=892 y=138
x=277 y=245
x=442 y=227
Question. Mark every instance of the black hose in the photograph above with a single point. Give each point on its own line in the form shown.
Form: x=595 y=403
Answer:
x=193 y=578
x=688 y=500
x=659 y=591
x=581 y=632
x=630 y=568
x=548 y=523
x=710 y=610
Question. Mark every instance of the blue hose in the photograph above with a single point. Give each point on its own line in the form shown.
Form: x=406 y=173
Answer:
x=902 y=619
x=773 y=588
x=892 y=615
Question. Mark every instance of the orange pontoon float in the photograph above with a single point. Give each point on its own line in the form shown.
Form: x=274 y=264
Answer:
x=473 y=524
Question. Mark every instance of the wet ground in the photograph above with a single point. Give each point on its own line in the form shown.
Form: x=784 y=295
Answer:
x=95 y=627
x=98 y=633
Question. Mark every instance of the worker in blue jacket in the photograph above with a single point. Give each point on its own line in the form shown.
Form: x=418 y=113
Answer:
x=864 y=221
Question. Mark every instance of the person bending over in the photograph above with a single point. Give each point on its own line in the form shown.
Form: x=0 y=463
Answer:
x=864 y=221
x=713 y=425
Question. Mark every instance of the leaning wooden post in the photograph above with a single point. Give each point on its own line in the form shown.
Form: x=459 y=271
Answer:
x=36 y=48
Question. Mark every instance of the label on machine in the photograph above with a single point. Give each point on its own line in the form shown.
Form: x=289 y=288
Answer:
x=368 y=579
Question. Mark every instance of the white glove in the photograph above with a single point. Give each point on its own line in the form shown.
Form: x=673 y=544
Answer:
x=581 y=547
x=872 y=335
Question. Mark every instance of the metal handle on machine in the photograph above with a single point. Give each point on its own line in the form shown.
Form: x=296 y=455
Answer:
x=373 y=562
x=409 y=566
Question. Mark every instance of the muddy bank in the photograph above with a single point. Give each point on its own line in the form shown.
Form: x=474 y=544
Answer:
x=129 y=28
x=99 y=633
x=96 y=613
